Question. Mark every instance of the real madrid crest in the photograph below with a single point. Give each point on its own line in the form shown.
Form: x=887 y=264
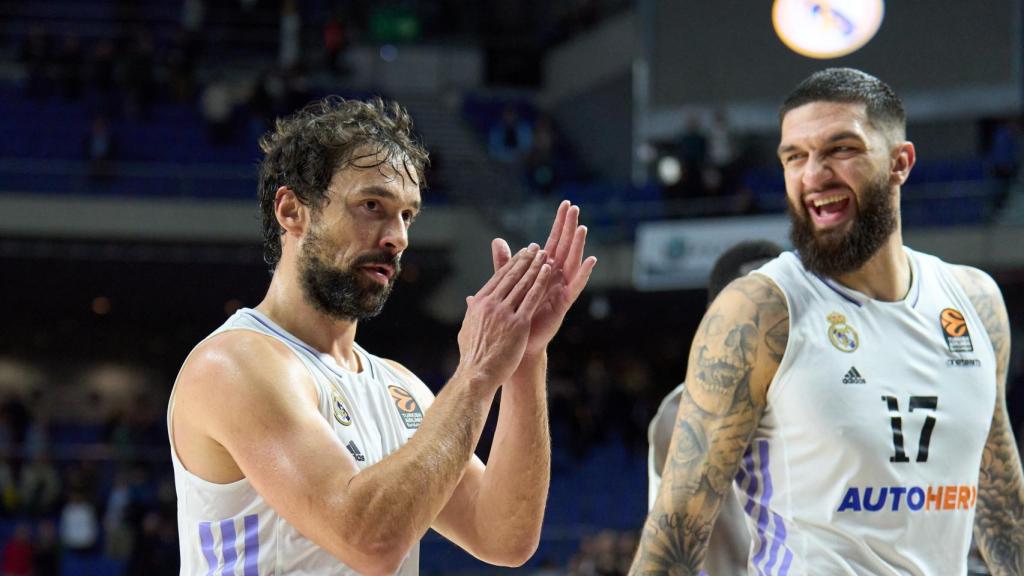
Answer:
x=341 y=413
x=841 y=334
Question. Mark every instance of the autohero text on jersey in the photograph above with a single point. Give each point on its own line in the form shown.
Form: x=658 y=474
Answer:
x=913 y=498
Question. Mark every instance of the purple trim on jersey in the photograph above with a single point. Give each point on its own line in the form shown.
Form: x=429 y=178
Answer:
x=748 y=466
x=252 y=545
x=309 y=349
x=748 y=463
x=206 y=544
x=845 y=296
x=227 y=546
x=766 y=496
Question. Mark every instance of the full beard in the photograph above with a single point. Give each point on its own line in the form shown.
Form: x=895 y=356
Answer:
x=342 y=293
x=833 y=253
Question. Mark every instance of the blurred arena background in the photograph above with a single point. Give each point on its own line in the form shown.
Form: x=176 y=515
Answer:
x=128 y=222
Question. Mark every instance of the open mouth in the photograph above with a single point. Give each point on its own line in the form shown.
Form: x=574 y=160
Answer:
x=379 y=273
x=829 y=209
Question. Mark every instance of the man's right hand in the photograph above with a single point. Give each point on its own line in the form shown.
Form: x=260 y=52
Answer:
x=497 y=323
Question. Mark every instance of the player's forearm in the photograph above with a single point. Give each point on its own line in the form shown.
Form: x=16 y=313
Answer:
x=395 y=501
x=510 y=505
x=999 y=521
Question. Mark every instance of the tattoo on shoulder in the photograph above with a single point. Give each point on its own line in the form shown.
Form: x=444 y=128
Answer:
x=718 y=414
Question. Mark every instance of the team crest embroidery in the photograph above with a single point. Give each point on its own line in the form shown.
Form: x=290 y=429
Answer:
x=408 y=409
x=841 y=334
x=341 y=413
x=954 y=328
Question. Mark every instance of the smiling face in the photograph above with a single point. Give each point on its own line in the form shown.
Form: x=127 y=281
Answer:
x=840 y=185
x=350 y=256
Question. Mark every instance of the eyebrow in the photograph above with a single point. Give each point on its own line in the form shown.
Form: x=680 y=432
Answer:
x=385 y=193
x=844 y=135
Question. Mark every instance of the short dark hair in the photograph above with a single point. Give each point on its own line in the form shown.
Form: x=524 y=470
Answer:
x=739 y=260
x=847 y=85
x=306 y=149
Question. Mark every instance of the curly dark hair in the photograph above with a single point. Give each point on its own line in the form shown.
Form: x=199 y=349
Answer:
x=306 y=149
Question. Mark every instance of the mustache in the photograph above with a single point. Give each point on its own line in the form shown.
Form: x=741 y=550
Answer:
x=381 y=257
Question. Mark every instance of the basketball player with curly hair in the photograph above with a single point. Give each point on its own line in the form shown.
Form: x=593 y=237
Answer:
x=295 y=450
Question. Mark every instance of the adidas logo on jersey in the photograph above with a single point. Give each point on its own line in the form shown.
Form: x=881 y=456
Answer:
x=355 y=451
x=854 y=377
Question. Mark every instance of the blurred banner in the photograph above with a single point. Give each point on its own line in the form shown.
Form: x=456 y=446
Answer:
x=680 y=254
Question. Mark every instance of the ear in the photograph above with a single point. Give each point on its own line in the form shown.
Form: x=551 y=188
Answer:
x=292 y=215
x=905 y=157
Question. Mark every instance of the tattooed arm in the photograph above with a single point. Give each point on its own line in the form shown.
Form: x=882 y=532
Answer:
x=733 y=358
x=999 y=519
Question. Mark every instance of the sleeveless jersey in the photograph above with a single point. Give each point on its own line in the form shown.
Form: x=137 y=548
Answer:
x=229 y=529
x=867 y=457
x=727 y=548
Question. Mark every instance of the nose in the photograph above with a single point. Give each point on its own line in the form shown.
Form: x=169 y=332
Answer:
x=816 y=172
x=395 y=236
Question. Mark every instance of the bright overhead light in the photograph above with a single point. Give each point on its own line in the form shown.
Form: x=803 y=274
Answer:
x=827 y=28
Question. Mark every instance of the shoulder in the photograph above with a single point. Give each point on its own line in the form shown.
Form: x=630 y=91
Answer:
x=239 y=368
x=416 y=386
x=758 y=299
x=985 y=296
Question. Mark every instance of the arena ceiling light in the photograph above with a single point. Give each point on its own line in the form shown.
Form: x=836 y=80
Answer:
x=827 y=28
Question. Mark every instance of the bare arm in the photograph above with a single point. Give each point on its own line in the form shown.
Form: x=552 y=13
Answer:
x=496 y=513
x=999 y=518
x=733 y=358
x=247 y=396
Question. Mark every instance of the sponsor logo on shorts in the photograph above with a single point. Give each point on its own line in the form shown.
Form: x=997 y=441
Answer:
x=407 y=406
x=954 y=328
x=841 y=334
x=341 y=413
x=909 y=498
x=963 y=363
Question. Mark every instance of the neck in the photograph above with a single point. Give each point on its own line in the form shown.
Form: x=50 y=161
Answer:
x=287 y=307
x=886 y=276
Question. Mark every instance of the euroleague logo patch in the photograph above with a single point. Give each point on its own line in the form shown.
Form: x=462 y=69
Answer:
x=954 y=328
x=407 y=406
x=841 y=334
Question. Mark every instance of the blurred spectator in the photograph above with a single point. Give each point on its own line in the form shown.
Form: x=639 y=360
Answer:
x=137 y=75
x=181 y=61
x=100 y=149
x=17 y=554
x=693 y=153
x=1002 y=161
x=79 y=528
x=45 y=554
x=156 y=549
x=69 y=64
x=511 y=138
x=217 y=109
x=118 y=534
x=34 y=54
x=101 y=71
x=40 y=486
x=9 y=501
x=290 y=49
x=609 y=553
x=540 y=161
x=335 y=43
x=193 y=17
x=721 y=154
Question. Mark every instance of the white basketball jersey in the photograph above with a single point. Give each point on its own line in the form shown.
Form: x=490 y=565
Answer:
x=867 y=457
x=229 y=529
